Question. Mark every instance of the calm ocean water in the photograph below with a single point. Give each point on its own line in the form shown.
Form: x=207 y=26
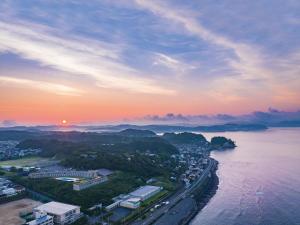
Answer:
x=259 y=180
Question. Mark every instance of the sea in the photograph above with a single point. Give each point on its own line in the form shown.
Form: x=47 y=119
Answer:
x=259 y=180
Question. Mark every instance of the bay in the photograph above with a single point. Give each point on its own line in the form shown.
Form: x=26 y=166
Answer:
x=259 y=181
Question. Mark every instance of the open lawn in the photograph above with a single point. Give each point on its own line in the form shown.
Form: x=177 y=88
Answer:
x=28 y=161
x=9 y=212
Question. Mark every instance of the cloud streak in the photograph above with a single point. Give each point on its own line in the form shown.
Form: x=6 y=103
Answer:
x=248 y=63
x=58 y=89
x=82 y=57
x=245 y=54
x=175 y=65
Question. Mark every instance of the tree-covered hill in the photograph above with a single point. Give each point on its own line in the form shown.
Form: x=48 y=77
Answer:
x=222 y=143
x=137 y=133
x=185 y=138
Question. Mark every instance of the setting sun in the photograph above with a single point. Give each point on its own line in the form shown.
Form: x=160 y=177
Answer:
x=64 y=122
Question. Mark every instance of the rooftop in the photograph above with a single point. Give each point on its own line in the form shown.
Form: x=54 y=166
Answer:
x=39 y=220
x=104 y=172
x=56 y=208
x=144 y=190
x=133 y=200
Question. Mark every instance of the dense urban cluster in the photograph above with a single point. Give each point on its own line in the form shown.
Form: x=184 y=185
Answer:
x=8 y=150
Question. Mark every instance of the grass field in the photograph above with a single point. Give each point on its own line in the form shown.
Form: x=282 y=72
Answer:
x=28 y=161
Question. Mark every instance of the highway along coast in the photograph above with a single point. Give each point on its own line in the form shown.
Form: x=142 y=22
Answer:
x=186 y=202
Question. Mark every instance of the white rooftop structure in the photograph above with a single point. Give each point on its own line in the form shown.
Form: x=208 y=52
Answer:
x=131 y=203
x=133 y=200
x=62 y=213
x=145 y=192
x=56 y=208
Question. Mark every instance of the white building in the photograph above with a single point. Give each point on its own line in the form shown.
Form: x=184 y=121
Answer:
x=145 y=192
x=131 y=203
x=41 y=218
x=62 y=213
x=134 y=199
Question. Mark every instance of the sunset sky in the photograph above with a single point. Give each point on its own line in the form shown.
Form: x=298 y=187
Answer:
x=107 y=60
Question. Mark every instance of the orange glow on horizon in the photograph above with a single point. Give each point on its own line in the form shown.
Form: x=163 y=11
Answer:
x=35 y=107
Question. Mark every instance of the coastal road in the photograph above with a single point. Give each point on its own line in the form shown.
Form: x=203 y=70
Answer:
x=175 y=199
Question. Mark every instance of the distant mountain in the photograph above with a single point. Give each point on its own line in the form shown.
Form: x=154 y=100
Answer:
x=290 y=123
x=132 y=130
x=231 y=127
x=175 y=128
x=137 y=133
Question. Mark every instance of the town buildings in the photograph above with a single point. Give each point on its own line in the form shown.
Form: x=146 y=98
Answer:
x=9 y=150
x=8 y=188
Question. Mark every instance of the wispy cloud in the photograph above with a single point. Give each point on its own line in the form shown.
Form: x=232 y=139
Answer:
x=247 y=57
x=250 y=66
x=172 y=63
x=78 y=56
x=58 y=89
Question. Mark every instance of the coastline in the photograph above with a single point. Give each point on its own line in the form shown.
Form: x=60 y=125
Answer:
x=188 y=204
x=202 y=197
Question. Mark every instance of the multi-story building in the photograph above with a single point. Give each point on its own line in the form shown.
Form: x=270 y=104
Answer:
x=62 y=213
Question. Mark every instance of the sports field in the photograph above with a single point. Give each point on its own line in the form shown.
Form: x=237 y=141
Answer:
x=28 y=161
